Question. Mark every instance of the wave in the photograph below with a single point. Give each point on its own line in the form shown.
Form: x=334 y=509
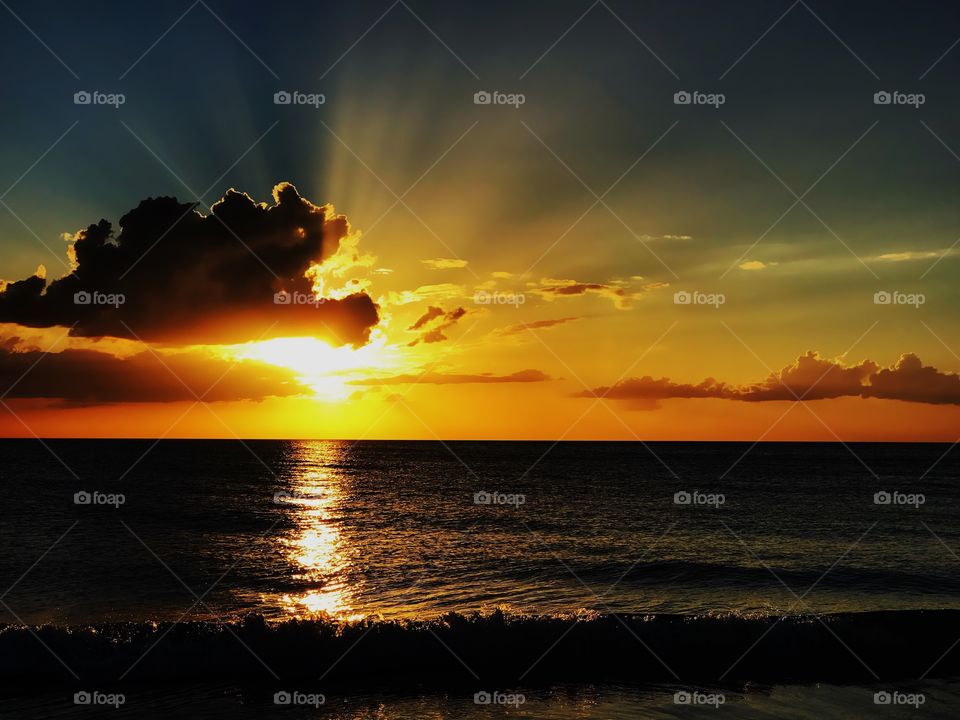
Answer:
x=454 y=649
x=698 y=574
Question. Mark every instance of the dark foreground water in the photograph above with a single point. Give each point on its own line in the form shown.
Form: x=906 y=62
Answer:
x=419 y=580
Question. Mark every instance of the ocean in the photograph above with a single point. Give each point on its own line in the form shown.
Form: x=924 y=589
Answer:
x=476 y=579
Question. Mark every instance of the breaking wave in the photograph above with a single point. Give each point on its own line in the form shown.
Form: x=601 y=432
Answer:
x=448 y=651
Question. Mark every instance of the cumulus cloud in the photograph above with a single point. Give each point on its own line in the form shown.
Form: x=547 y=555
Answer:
x=433 y=323
x=521 y=328
x=811 y=377
x=86 y=377
x=189 y=278
x=911 y=380
x=437 y=378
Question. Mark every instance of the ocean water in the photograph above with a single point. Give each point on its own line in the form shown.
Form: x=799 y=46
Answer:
x=400 y=579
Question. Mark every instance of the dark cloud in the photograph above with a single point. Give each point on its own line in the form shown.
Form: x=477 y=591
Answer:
x=535 y=325
x=190 y=278
x=86 y=377
x=649 y=388
x=431 y=313
x=436 y=378
x=578 y=289
x=433 y=323
x=910 y=380
x=811 y=377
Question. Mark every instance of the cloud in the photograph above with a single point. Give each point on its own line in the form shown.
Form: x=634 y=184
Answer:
x=572 y=287
x=431 y=313
x=434 y=322
x=911 y=255
x=87 y=377
x=755 y=265
x=911 y=380
x=643 y=393
x=424 y=293
x=648 y=388
x=811 y=377
x=445 y=263
x=620 y=292
x=437 y=378
x=521 y=328
x=650 y=238
x=189 y=278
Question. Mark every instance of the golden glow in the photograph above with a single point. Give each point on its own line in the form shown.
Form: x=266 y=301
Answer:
x=316 y=549
x=340 y=274
x=324 y=368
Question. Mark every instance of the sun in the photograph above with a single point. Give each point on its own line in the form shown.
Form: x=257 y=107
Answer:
x=325 y=369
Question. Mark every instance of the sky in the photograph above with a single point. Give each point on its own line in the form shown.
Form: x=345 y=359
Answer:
x=565 y=220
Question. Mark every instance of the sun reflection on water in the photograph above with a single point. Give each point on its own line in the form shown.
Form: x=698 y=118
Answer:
x=315 y=548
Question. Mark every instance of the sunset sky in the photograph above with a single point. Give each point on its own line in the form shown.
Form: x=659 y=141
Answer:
x=482 y=270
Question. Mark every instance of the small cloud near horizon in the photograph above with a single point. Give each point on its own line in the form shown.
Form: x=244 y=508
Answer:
x=810 y=377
